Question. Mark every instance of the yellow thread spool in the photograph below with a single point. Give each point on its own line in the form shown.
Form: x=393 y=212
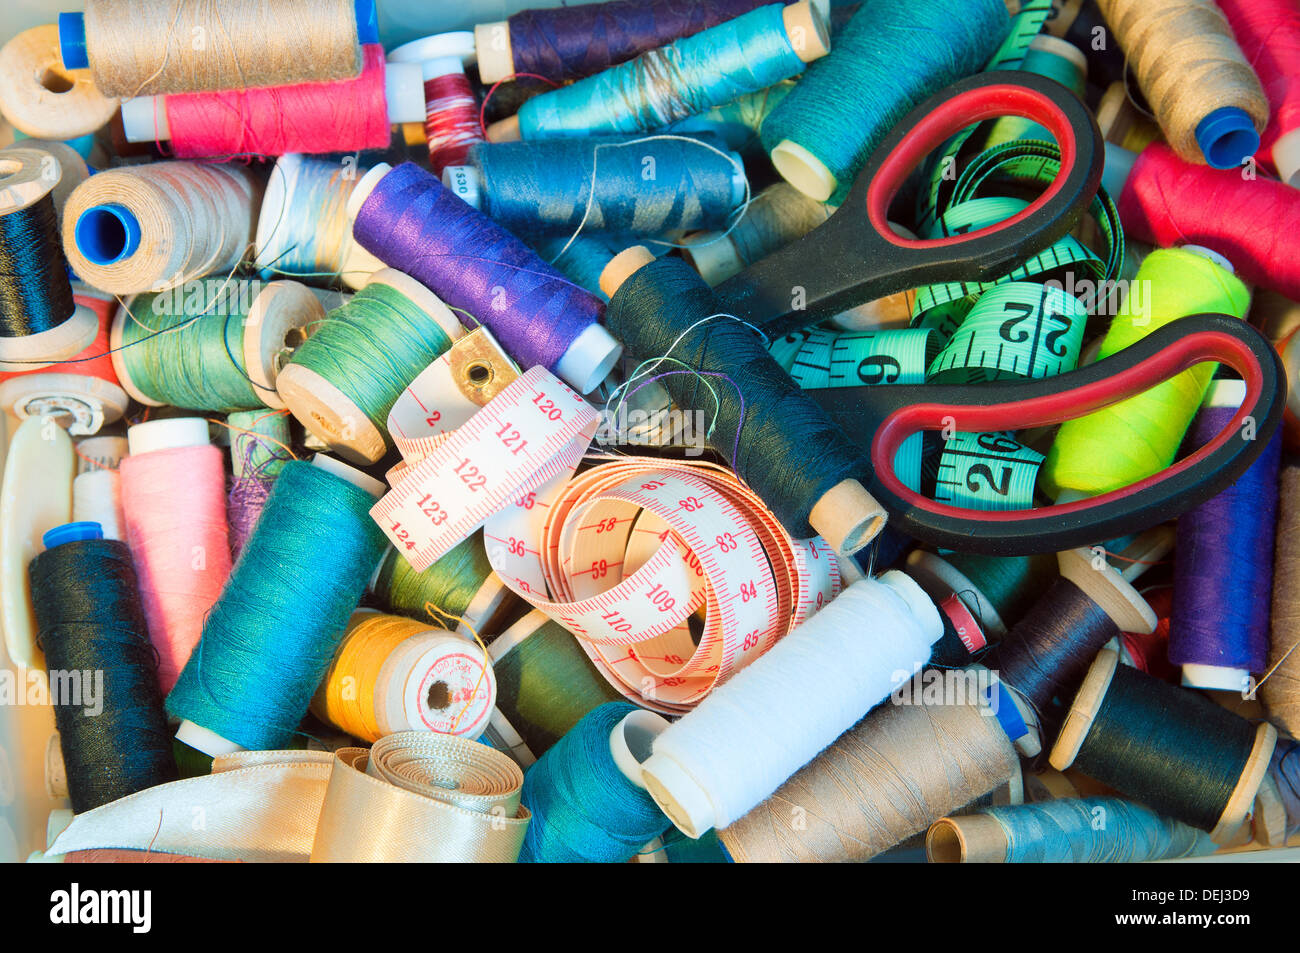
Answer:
x=1138 y=437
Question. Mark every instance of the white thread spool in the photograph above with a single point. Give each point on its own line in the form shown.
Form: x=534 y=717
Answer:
x=97 y=498
x=779 y=712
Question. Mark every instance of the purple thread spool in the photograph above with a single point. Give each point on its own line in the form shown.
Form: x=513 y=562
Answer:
x=406 y=218
x=1223 y=573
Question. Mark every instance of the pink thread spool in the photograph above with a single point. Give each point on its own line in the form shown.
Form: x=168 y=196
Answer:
x=174 y=507
x=342 y=116
x=451 y=118
x=1268 y=32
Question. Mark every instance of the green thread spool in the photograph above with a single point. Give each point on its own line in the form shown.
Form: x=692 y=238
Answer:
x=545 y=681
x=1167 y=747
x=217 y=344
x=345 y=378
x=1138 y=437
x=1015 y=330
x=1056 y=59
x=459 y=588
x=987 y=471
x=998 y=590
x=259 y=442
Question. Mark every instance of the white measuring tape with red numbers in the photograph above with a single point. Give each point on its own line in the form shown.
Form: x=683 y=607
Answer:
x=627 y=555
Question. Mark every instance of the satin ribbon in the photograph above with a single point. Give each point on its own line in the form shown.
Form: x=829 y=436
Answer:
x=413 y=796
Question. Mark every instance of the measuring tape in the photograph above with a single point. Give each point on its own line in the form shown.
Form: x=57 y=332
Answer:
x=987 y=471
x=534 y=429
x=626 y=554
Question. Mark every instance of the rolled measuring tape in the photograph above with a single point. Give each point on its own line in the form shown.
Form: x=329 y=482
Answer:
x=987 y=471
x=626 y=554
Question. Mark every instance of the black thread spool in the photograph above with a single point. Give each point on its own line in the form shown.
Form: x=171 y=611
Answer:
x=775 y=437
x=89 y=620
x=1168 y=747
x=39 y=322
x=1046 y=655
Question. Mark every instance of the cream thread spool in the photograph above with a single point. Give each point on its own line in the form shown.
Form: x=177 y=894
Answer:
x=41 y=97
x=73 y=170
x=152 y=228
x=279 y=319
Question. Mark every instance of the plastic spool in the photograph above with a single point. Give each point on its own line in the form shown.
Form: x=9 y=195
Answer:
x=144 y=118
x=204 y=739
x=1088 y=703
x=278 y=319
x=331 y=414
x=420 y=684
x=281 y=200
x=41 y=97
x=26 y=177
x=84 y=401
x=36 y=497
x=590 y=356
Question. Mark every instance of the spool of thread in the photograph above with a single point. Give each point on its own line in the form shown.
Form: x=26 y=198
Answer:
x=39 y=321
x=269 y=640
x=72 y=167
x=1138 y=437
x=97 y=498
x=777 y=216
x=174 y=505
x=1166 y=201
x=154 y=227
x=147 y=47
x=393 y=674
x=450 y=109
x=460 y=586
x=84 y=391
x=408 y=219
x=887 y=778
x=1046 y=655
x=774 y=436
x=1056 y=59
x=999 y=590
x=303 y=230
x=215 y=345
x=345 y=115
x=343 y=381
x=840 y=677
x=259 y=449
x=545 y=681
x=588 y=800
x=1268 y=32
x=1205 y=95
x=755 y=50
x=90 y=625
x=1164 y=746
x=738 y=122
x=1098 y=830
x=1280 y=688
x=890 y=57
x=639 y=186
x=557 y=43
x=581 y=258
x=42 y=98
x=1224 y=572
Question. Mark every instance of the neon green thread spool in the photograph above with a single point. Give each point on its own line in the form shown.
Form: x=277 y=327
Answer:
x=1138 y=437
x=344 y=380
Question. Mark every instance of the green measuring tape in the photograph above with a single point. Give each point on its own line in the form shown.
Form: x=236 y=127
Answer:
x=987 y=471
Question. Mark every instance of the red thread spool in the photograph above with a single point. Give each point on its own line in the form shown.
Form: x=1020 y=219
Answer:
x=342 y=116
x=1268 y=32
x=1254 y=223
x=1150 y=653
x=451 y=117
x=84 y=386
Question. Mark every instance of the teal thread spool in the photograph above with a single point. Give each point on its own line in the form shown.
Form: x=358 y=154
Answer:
x=546 y=683
x=270 y=637
x=344 y=379
x=259 y=449
x=998 y=590
x=890 y=57
x=587 y=800
x=582 y=258
x=215 y=344
x=459 y=588
x=1056 y=59
x=713 y=67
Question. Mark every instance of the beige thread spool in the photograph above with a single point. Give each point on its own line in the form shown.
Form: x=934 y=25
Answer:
x=1280 y=687
x=1188 y=64
x=42 y=98
x=148 y=47
x=72 y=167
x=151 y=228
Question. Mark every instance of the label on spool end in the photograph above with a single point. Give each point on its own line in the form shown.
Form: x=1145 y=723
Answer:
x=534 y=430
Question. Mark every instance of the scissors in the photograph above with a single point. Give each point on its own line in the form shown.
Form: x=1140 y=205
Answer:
x=855 y=256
